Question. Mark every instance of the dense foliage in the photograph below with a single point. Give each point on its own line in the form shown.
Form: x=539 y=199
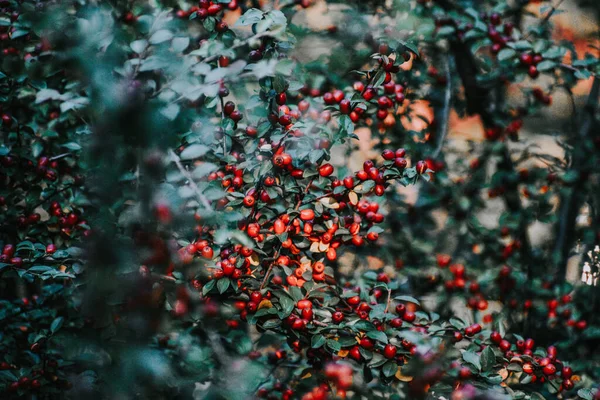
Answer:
x=187 y=211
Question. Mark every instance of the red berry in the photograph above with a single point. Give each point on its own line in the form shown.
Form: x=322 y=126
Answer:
x=325 y=170
x=495 y=337
x=388 y=154
x=229 y=107
x=281 y=98
x=349 y=182
x=568 y=384
x=409 y=316
x=526 y=59
x=533 y=71
x=389 y=351
x=207 y=252
x=337 y=317
x=464 y=373
x=458 y=336
x=400 y=163
x=549 y=369
x=504 y=345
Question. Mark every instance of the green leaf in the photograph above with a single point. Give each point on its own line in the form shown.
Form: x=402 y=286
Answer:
x=411 y=46
x=583 y=74
x=38 y=269
x=208 y=287
x=170 y=112
x=506 y=54
x=179 y=44
x=18 y=33
x=378 y=335
x=446 y=30
x=472 y=358
x=223 y=285
x=546 y=65
x=72 y=146
x=334 y=345
x=296 y=293
x=56 y=324
x=317 y=341
x=389 y=368
x=250 y=17
x=488 y=359
x=194 y=151
x=346 y=124
x=586 y=394
x=287 y=305
x=161 y=36
x=138 y=46
x=408 y=299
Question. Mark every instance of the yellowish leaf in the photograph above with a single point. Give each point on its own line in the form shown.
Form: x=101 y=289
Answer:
x=265 y=304
x=353 y=197
x=402 y=378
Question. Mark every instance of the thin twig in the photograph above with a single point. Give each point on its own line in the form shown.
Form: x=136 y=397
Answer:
x=203 y=200
x=446 y=112
x=389 y=300
x=58 y=157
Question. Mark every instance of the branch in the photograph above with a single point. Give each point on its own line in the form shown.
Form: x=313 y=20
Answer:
x=445 y=112
x=203 y=200
x=572 y=200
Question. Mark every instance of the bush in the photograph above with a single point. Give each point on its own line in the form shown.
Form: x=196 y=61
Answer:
x=197 y=203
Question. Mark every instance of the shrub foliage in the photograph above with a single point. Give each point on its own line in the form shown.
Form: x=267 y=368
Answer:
x=183 y=214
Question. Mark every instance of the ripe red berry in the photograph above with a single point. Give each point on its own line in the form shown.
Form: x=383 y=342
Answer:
x=409 y=316
x=214 y=9
x=526 y=59
x=495 y=337
x=337 y=317
x=549 y=369
x=349 y=182
x=568 y=384
x=355 y=353
x=249 y=201
x=328 y=98
x=223 y=61
x=388 y=154
x=325 y=170
x=251 y=131
x=504 y=345
x=207 y=252
x=255 y=55
x=464 y=373
x=304 y=304
x=457 y=336
x=372 y=236
x=400 y=163
x=528 y=368
x=533 y=71
x=281 y=98
x=307 y=215
x=389 y=351
x=396 y=323
x=421 y=167
x=368 y=94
